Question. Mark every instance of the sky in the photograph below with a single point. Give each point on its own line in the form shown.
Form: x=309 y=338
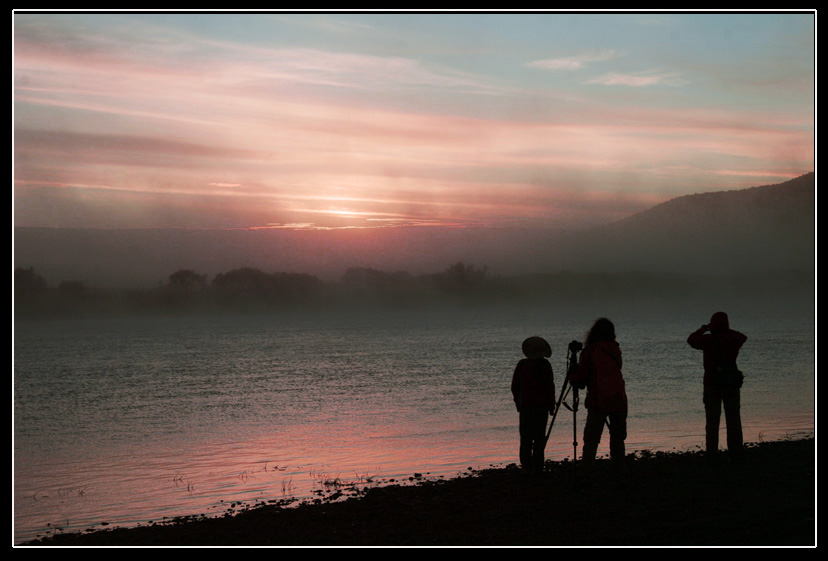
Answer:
x=374 y=120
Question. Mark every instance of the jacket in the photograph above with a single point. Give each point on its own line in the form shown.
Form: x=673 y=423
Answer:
x=721 y=339
x=533 y=384
x=600 y=372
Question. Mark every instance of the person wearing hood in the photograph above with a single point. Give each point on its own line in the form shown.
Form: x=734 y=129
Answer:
x=720 y=346
x=599 y=372
x=533 y=390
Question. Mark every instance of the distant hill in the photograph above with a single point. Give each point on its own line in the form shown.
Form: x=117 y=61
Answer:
x=760 y=229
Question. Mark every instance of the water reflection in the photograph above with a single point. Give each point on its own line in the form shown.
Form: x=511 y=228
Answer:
x=125 y=422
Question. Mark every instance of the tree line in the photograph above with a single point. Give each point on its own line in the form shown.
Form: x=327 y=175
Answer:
x=363 y=289
x=247 y=289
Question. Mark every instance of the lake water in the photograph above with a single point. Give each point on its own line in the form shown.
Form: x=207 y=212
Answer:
x=126 y=421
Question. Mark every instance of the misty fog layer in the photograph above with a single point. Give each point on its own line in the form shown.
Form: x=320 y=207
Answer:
x=750 y=244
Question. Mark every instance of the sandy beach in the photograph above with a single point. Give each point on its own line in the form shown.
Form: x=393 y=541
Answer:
x=666 y=499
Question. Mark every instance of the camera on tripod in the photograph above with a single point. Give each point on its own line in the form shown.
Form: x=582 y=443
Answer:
x=571 y=368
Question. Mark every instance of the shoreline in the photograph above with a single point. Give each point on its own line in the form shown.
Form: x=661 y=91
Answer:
x=667 y=499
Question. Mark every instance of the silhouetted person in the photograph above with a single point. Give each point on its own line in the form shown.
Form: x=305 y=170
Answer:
x=720 y=349
x=533 y=389
x=600 y=372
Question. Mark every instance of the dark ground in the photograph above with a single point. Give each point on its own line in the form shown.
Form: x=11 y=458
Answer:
x=668 y=499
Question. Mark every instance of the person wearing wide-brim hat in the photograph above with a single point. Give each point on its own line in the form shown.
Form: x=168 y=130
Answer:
x=533 y=389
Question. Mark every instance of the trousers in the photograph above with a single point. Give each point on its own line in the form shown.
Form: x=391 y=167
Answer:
x=594 y=428
x=714 y=398
x=532 y=437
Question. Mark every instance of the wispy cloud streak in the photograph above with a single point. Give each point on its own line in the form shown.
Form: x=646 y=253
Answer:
x=639 y=79
x=575 y=62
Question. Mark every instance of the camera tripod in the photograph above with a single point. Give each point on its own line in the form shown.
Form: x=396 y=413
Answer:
x=571 y=367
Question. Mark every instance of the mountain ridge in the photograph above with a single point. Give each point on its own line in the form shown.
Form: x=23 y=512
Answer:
x=769 y=227
x=798 y=192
